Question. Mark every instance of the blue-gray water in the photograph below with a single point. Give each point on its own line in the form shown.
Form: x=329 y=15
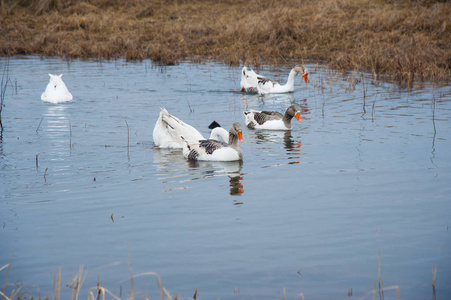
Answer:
x=308 y=210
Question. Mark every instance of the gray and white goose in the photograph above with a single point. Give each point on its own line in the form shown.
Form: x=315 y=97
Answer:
x=272 y=120
x=214 y=150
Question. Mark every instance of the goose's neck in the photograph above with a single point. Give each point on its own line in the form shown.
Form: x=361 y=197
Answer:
x=290 y=80
x=219 y=133
x=233 y=140
x=233 y=143
x=287 y=119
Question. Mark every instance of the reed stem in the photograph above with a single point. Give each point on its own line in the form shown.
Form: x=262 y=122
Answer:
x=434 y=275
x=128 y=140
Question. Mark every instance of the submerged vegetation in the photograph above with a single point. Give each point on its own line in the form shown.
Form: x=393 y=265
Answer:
x=410 y=40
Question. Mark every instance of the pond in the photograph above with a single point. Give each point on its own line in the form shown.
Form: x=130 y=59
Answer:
x=365 y=176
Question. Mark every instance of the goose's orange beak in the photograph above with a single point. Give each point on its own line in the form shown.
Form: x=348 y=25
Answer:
x=240 y=136
x=298 y=116
x=305 y=76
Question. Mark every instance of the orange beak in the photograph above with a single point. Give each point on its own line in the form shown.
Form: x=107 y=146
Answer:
x=240 y=136
x=298 y=116
x=305 y=76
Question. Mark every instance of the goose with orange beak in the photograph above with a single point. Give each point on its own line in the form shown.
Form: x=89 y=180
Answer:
x=268 y=86
x=214 y=150
x=272 y=120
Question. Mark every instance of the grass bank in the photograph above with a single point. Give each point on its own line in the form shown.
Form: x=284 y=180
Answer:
x=410 y=40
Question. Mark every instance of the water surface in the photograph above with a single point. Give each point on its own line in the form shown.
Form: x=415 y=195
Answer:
x=368 y=170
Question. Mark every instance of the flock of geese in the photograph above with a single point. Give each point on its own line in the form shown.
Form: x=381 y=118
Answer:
x=171 y=132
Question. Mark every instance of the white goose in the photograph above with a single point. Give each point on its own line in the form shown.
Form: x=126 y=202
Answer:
x=251 y=82
x=56 y=91
x=272 y=120
x=168 y=129
x=268 y=86
x=214 y=150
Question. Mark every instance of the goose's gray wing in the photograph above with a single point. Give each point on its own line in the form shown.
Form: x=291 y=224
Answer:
x=262 y=117
x=211 y=146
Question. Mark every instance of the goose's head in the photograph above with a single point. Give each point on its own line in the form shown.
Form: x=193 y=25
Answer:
x=301 y=69
x=294 y=111
x=236 y=131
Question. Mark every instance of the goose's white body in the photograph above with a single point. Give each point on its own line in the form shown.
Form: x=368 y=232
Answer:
x=56 y=91
x=223 y=154
x=268 y=125
x=214 y=150
x=168 y=130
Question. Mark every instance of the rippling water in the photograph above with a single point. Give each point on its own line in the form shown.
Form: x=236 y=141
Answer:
x=368 y=170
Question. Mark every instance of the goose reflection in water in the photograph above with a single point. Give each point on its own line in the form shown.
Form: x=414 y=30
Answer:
x=292 y=147
x=57 y=119
x=174 y=168
x=55 y=127
x=210 y=169
x=169 y=163
x=236 y=187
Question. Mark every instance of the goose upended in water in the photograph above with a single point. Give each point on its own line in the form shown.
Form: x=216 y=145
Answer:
x=251 y=82
x=214 y=150
x=168 y=130
x=56 y=91
x=272 y=120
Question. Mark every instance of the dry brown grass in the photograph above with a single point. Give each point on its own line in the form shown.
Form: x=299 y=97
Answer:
x=13 y=291
x=407 y=39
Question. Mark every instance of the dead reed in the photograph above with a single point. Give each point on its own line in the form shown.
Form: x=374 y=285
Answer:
x=128 y=140
x=409 y=40
x=3 y=86
x=99 y=292
x=76 y=283
x=381 y=288
x=434 y=276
